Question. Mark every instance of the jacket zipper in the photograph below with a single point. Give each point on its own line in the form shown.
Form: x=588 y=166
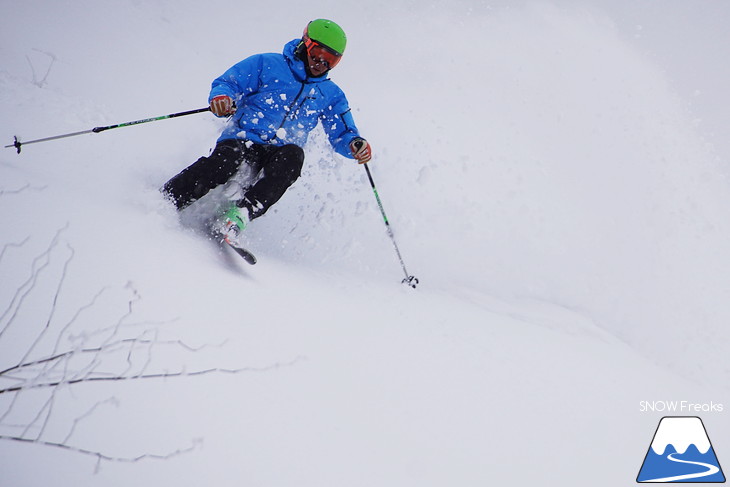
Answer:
x=290 y=111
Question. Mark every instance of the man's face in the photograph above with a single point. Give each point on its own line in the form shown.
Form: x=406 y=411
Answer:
x=317 y=65
x=320 y=58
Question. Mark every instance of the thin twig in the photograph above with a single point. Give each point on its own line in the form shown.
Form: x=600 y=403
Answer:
x=111 y=347
x=25 y=289
x=9 y=245
x=161 y=375
x=54 y=304
x=99 y=455
x=22 y=189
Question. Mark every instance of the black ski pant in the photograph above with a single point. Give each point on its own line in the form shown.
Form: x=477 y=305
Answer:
x=279 y=166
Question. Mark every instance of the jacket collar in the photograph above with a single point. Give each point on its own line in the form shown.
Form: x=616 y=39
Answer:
x=297 y=65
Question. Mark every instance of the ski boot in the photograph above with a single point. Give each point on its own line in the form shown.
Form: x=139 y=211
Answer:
x=231 y=224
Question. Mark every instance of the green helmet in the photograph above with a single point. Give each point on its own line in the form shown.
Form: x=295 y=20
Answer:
x=327 y=33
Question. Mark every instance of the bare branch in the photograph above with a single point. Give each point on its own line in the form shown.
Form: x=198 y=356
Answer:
x=161 y=375
x=110 y=347
x=54 y=305
x=101 y=456
x=81 y=349
x=40 y=83
x=22 y=189
x=43 y=412
x=39 y=264
x=10 y=245
x=88 y=413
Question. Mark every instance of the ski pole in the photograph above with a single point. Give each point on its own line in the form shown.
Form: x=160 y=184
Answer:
x=18 y=144
x=410 y=280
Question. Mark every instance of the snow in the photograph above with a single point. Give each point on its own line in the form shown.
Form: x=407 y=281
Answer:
x=681 y=433
x=556 y=177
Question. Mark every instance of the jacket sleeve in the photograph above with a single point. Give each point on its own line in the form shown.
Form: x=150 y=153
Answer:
x=339 y=124
x=239 y=80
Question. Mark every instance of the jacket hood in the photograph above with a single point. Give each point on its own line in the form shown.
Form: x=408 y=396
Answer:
x=297 y=65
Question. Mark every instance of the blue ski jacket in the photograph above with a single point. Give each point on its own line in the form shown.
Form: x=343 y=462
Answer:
x=277 y=103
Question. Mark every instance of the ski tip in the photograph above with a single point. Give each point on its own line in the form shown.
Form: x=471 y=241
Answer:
x=250 y=258
x=247 y=256
x=225 y=241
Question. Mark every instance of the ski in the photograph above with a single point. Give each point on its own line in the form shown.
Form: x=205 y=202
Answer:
x=247 y=255
x=227 y=242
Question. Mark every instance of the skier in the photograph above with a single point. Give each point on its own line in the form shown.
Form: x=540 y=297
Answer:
x=274 y=101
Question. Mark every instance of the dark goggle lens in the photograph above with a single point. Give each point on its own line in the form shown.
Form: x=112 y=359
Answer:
x=320 y=52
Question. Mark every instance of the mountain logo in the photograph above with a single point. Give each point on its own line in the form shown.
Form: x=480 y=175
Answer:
x=681 y=452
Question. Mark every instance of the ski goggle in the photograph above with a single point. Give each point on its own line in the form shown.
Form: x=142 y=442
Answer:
x=322 y=53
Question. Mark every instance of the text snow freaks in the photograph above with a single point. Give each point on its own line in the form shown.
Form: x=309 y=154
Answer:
x=684 y=407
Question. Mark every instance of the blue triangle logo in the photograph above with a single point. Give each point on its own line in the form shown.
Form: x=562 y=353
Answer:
x=681 y=452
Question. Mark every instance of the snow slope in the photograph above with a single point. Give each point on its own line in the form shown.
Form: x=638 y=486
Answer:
x=549 y=180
